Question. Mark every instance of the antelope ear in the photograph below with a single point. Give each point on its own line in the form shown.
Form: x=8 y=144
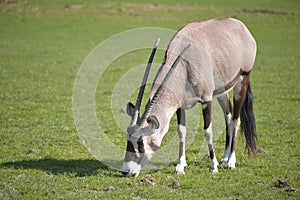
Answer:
x=130 y=109
x=153 y=122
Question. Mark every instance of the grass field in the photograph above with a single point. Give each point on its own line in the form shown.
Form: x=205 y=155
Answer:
x=42 y=45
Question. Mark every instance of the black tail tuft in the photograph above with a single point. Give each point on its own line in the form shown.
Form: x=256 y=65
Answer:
x=248 y=122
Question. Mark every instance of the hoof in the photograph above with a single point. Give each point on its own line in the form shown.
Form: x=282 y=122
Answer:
x=214 y=171
x=180 y=169
x=231 y=166
x=231 y=162
x=224 y=161
x=179 y=172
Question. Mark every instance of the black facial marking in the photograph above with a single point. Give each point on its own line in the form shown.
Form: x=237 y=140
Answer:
x=141 y=146
x=130 y=147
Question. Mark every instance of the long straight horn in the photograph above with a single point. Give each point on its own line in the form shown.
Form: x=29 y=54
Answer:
x=143 y=85
x=159 y=89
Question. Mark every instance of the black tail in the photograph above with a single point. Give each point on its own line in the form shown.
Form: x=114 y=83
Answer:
x=248 y=122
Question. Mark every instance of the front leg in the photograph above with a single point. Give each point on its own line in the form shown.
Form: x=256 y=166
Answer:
x=182 y=135
x=207 y=116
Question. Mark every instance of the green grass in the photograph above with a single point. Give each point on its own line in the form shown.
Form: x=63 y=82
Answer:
x=42 y=45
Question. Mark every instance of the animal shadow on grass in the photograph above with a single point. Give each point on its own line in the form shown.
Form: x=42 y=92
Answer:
x=52 y=166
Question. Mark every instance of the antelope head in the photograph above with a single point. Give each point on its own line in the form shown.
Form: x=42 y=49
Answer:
x=140 y=147
x=142 y=143
x=143 y=134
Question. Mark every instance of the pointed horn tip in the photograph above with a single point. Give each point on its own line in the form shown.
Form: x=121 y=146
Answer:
x=157 y=42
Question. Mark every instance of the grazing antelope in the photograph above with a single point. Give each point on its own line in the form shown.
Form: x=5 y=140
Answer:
x=203 y=60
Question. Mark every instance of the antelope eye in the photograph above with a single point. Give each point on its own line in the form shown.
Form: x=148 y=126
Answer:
x=140 y=141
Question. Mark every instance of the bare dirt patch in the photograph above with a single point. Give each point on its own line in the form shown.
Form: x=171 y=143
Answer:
x=265 y=11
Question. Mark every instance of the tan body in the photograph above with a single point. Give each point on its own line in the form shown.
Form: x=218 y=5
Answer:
x=221 y=50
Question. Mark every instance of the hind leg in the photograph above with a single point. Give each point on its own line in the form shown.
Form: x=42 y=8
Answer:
x=226 y=106
x=239 y=97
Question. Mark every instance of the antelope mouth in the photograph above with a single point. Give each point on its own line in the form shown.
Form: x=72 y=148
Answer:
x=131 y=169
x=128 y=174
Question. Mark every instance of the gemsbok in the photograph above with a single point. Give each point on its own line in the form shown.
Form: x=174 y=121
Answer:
x=203 y=60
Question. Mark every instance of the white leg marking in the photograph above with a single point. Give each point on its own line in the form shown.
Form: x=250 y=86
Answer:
x=237 y=127
x=181 y=165
x=228 y=118
x=232 y=161
x=214 y=165
x=237 y=89
x=233 y=125
x=208 y=134
x=181 y=159
x=213 y=161
x=181 y=132
x=227 y=150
